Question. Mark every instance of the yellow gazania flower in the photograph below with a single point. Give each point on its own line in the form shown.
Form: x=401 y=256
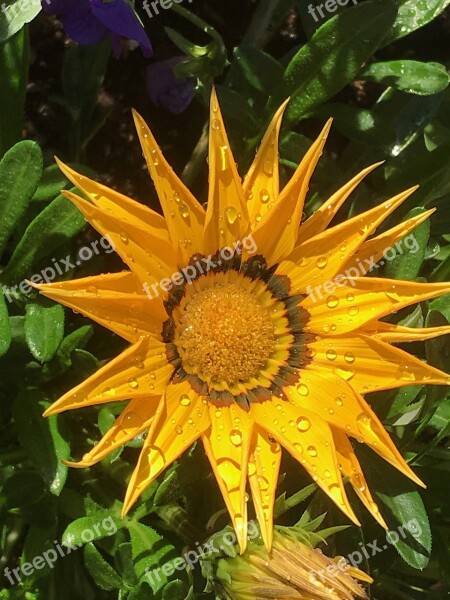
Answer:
x=241 y=356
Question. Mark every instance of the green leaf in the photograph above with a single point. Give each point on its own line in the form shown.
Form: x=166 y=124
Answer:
x=41 y=438
x=142 y=592
x=44 y=330
x=20 y=171
x=54 y=226
x=359 y=124
x=409 y=253
x=5 y=327
x=150 y=552
x=175 y=590
x=51 y=184
x=14 y=60
x=235 y=107
x=100 y=525
x=101 y=571
x=16 y=15
x=402 y=508
x=409 y=76
x=25 y=487
x=413 y=14
x=332 y=58
x=260 y=69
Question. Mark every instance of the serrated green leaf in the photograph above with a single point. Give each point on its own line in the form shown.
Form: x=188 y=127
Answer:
x=100 y=525
x=54 y=226
x=20 y=171
x=101 y=571
x=41 y=438
x=332 y=58
x=44 y=330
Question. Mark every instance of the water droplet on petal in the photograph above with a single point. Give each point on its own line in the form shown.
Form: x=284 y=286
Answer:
x=185 y=400
x=303 y=424
x=312 y=451
x=332 y=301
x=349 y=357
x=322 y=262
x=231 y=215
x=132 y=382
x=331 y=354
x=264 y=196
x=302 y=389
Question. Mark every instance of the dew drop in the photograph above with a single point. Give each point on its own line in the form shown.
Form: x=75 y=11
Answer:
x=184 y=211
x=339 y=401
x=303 y=424
x=264 y=196
x=332 y=301
x=312 y=451
x=155 y=158
x=179 y=429
x=302 y=389
x=268 y=167
x=298 y=447
x=322 y=262
x=353 y=311
x=185 y=400
x=331 y=354
x=349 y=357
x=133 y=383
x=350 y=297
x=231 y=215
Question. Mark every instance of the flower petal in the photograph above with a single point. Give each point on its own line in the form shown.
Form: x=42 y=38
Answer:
x=149 y=258
x=309 y=439
x=372 y=250
x=184 y=215
x=165 y=441
x=363 y=299
x=262 y=182
x=321 y=258
x=276 y=234
x=351 y=468
x=227 y=218
x=319 y=220
x=114 y=301
x=140 y=371
x=227 y=446
x=134 y=419
x=342 y=407
x=263 y=469
x=370 y=364
x=388 y=332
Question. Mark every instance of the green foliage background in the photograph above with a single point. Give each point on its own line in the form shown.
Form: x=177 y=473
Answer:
x=368 y=65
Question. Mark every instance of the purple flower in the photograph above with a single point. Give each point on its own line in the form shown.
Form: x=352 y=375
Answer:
x=89 y=21
x=167 y=90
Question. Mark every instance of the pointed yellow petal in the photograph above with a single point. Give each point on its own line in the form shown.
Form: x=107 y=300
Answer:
x=309 y=439
x=320 y=220
x=343 y=408
x=142 y=370
x=370 y=364
x=115 y=301
x=262 y=182
x=135 y=418
x=372 y=250
x=351 y=468
x=276 y=234
x=151 y=259
x=184 y=215
x=122 y=207
x=263 y=469
x=166 y=441
x=321 y=258
x=227 y=214
x=346 y=307
x=388 y=332
x=227 y=446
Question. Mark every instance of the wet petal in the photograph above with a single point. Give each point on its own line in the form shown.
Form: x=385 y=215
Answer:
x=227 y=446
x=181 y=418
x=227 y=218
x=309 y=439
x=262 y=182
x=184 y=215
x=141 y=370
x=112 y=301
x=263 y=469
x=276 y=235
x=134 y=419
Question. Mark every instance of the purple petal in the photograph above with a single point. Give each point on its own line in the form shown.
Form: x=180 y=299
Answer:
x=82 y=26
x=118 y=17
x=167 y=90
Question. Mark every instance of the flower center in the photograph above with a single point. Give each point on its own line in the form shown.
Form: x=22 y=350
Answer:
x=225 y=334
